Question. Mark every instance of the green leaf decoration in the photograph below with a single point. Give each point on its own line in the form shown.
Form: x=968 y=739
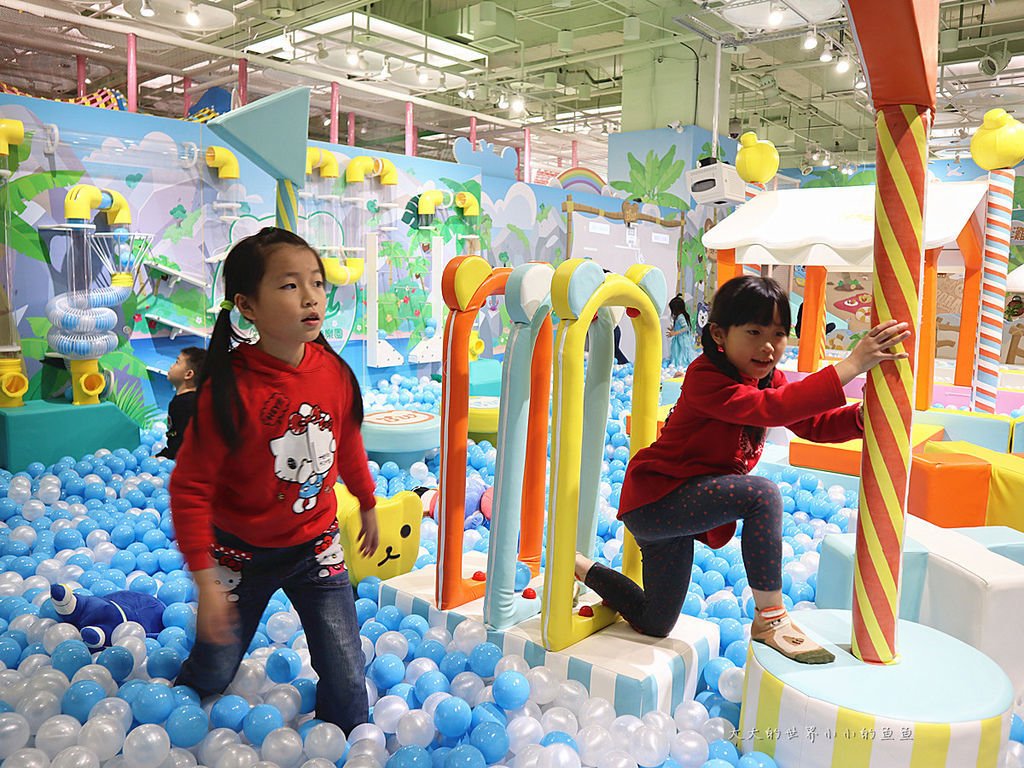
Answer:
x=133 y=404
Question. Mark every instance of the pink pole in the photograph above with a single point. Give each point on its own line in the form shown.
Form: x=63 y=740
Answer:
x=243 y=81
x=351 y=129
x=410 y=131
x=519 y=163
x=186 y=89
x=334 y=113
x=80 y=64
x=472 y=132
x=527 y=157
x=575 y=154
x=133 y=75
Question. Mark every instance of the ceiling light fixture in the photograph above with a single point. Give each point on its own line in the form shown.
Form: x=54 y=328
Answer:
x=147 y=9
x=811 y=41
x=826 y=54
x=351 y=55
x=564 y=40
x=860 y=83
x=631 y=28
x=321 y=51
x=192 y=15
x=471 y=93
x=842 y=65
x=775 y=15
x=385 y=70
x=518 y=103
x=422 y=75
x=502 y=101
x=442 y=83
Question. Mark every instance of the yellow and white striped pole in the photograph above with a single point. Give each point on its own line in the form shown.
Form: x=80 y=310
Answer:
x=902 y=133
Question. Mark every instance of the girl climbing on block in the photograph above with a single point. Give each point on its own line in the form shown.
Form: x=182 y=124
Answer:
x=681 y=346
x=694 y=481
x=252 y=495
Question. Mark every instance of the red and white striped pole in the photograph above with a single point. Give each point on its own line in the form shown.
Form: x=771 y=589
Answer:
x=133 y=74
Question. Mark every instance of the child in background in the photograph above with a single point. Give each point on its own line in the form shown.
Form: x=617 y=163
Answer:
x=182 y=375
x=693 y=481
x=252 y=495
x=681 y=348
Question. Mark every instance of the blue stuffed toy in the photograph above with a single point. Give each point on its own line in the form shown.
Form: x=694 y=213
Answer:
x=96 y=617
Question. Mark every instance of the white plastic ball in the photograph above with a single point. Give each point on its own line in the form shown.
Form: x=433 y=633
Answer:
x=388 y=711
x=597 y=711
x=717 y=728
x=416 y=728
x=214 y=743
x=690 y=716
x=543 y=685
x=147 y=746
x=14 y=733
x=286 y=698
x=37 y=707
x=594 y=741
x=368 y=649
x=572 y=695
x=468 y=635
x=559 y=719
x=417 y=667
x=281 y=626
x=283 y=747
x=57 y=734
x=75 y=757
x=104 y=735
x=689 y=749
x=528 y=757
x=117 y=708
x=433 y=700
x=558 y=756
x=127 y=629
x=467 y=685
x=392 y=642
x=650 y=746
x=237 y=756
x=179 y=758
x=623 y=728
x=522 y=732
x=730 y=684
x=325 y=740
x=617 y=758
x=511 y=663
x=27 y=757
x=250 y=677
x=440 y=634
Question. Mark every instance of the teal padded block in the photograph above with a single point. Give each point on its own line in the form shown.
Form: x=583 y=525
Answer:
x=43 y=430
x=485 y=378
x=988 y=431
x=1000 y=539
x=670 y=392
x=835 y=575
x=1018 y=435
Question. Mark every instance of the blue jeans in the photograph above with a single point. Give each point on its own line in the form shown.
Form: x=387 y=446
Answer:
x=318 y=586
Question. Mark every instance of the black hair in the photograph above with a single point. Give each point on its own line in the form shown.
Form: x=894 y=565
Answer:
x=194 y=357
x=677 y=306
x=244 y=268
x=742 y=300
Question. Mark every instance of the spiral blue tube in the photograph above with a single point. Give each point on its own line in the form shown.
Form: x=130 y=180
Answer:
x=85 y=333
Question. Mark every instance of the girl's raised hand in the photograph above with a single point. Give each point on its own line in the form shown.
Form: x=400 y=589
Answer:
x=874 y=347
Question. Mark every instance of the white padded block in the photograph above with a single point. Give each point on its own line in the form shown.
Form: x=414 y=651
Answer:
x=974 y=595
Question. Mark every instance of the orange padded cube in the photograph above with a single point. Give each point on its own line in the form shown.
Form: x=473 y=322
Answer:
x=844 y=458
x=663 y=411
x=949 y=489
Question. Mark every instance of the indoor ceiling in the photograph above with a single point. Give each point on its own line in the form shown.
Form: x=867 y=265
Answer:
x=556 y=65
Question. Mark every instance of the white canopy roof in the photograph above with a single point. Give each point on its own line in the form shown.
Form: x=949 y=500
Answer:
x=834 y=226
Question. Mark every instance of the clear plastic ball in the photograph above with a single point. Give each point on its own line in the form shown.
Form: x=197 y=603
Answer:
x=57 y=734
x=415 y=728
x=391 y=642
x=617 y=758
x=717 y=728
x=511 y=663
x=325 y=740
x=27 y=757
x=365 y=731
x=650 y=746
x=558 y=756
x=127 y=629
x=730 y=684
x=388 y=711
x=543 y=685
x=283 y=747
x=75 y=757
x=117 y=708
x=689 y=749
x=622 y=730
x=250 y=678
x=281 y=626
x=214 y=744
x=594 y=741
x=179 y=758
x=572 y=695
x=597 y=711
x=286 y=698
x=237 y=756
x=660 y=721
x=468 y=635
x=690 y=716
x=104 y=735
x=522 y=732
x=147 y=746
x=559 y=719
x=467 y=685
x=14 y=733
x=37 y=707
x=417 y=667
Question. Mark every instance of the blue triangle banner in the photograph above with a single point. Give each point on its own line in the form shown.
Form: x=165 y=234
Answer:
x=271 y=132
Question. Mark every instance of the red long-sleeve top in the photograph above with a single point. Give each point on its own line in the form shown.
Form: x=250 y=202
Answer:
x=708 y=431
x=277 y=488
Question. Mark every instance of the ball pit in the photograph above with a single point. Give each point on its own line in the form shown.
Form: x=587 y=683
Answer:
x=101 y=523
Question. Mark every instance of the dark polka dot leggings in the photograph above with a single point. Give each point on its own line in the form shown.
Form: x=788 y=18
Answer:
x=665 y=530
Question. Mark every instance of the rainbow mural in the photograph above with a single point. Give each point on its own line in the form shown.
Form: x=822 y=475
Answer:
x=581 y=179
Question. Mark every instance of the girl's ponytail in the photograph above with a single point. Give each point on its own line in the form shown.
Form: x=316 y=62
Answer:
x=357 y=392
x=218 y=371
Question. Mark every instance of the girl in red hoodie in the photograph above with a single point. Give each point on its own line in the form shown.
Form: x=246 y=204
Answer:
x=694 y=481
x=252 y=495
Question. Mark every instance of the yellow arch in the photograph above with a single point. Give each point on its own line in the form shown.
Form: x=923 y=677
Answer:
x=560 y=627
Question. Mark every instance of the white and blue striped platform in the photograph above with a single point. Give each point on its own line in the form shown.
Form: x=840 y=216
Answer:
x=636 y=673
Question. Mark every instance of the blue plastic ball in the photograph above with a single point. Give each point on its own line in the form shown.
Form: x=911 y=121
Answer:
x=431 y=682
x=453 y=717
x=714 y=669
x=410 y=756
x=307 y=689
x=187 y=725
x=511 y=690
x=492 y=741
x=387 y=670
x=118 y=661
x=757 y=760
x=229 y=712
x=154 y=704
x=283 y=665
x=165 y=663
x=465 y=756
x=484 y=658
x=80 y=698
x=721 y=749
x=261 y=720
x=70 y=656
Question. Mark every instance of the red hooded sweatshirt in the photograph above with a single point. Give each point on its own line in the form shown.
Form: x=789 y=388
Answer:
x=277 y=488
x=706 y=432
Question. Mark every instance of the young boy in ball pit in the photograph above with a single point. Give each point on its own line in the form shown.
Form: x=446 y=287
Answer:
x=182 y=375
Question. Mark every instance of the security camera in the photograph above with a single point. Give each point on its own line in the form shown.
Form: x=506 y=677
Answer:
x=805 y=169
x=735 y=126
x=676 y=126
